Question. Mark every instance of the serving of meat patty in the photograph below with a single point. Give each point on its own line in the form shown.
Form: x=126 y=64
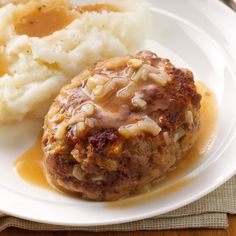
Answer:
x=119 y=126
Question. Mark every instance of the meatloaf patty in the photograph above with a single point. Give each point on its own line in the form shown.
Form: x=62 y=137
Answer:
x=119 y=126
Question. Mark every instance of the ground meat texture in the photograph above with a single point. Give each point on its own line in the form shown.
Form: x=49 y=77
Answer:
x=119 y=126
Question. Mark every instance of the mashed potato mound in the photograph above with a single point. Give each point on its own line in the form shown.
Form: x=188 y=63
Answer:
x=40 y=53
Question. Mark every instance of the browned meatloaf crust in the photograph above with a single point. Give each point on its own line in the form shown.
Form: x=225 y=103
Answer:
x=119 y=126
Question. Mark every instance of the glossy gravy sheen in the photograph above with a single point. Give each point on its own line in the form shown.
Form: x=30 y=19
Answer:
x=99 y=7
x=3 y=64
x=44 y=20
x=30 y=168
x=168 y=185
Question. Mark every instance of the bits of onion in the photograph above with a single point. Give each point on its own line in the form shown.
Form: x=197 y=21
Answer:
x=145 y=125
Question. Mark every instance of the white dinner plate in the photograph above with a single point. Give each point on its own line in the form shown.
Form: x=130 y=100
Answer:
x=199 y=35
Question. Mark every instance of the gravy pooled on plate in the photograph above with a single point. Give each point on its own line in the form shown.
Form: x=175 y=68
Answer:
x=208 y=117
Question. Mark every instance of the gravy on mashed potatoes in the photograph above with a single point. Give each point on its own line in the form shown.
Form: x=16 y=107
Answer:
x=44 y=20
x=43 y=44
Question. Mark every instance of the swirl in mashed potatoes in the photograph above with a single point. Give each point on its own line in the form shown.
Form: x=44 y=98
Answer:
x=43 y=44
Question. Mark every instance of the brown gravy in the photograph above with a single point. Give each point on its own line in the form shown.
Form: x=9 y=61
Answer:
x=3 y=64
x=45 y=20
x=148 y=196
x=208 y=116
x=99 y=7
x=29 y=166
x=42 y=21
